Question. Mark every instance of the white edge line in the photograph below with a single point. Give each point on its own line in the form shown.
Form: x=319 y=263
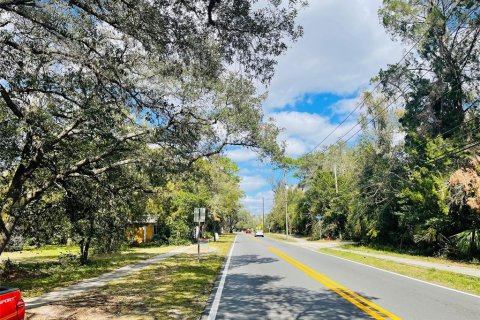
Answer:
x=388 y=271
x=218 y=295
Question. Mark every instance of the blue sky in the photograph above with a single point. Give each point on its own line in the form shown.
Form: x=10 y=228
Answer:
x=317 y=83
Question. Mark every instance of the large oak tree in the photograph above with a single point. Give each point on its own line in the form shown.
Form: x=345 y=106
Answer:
x=87 y=85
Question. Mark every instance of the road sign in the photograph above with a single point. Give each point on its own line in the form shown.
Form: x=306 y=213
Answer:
x=199 y=214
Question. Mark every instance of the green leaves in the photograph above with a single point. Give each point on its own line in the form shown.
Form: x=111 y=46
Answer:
x=468 y=242
x=92 y=88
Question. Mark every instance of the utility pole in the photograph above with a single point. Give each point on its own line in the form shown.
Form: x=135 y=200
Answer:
x=286 y=204
x=335 y=173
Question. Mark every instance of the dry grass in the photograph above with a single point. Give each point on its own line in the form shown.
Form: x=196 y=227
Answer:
x=39 y=271
x=176 y=288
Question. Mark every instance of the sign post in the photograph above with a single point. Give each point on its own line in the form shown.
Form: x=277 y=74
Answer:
x=199 y=215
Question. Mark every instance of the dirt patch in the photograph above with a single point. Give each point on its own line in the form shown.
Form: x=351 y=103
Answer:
x=204 y=248
x=176 y=288
x=91 y=307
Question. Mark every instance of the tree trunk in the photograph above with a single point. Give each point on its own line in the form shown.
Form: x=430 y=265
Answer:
x=7 y=225
x=4 y=239
x=14 y=202
x=110 y=243
x=84 y=246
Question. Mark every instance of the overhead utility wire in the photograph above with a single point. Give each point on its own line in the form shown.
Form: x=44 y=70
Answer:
x=343 y=136
x=359 y=105
x=363 y=102
x=390 y=104
x=442 y=134
x=375 y=117
x=456 y=150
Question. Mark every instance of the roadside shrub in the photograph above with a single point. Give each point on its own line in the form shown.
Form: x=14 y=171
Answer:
x=316 y=231
x=154 y=243
x=179 y=233
x=208 y=234
x=7 y=267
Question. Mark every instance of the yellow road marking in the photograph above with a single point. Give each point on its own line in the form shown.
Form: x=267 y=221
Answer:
x=360 y=302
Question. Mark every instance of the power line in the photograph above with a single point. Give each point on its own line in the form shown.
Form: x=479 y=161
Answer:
x=454 y=152
x=364 y=190
x=411 y=116
x=378 y=115
x=442 y=134
x=361 y=103
x=364 y=99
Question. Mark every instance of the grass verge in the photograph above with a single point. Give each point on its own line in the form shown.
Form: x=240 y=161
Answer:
x=176 y=288
x=42 y=254
x=43 y=273
x=448 y=279
x=309 y=239
x=278 y=236
x=411 y=256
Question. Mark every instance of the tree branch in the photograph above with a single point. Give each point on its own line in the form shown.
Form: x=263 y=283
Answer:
x=10 y=104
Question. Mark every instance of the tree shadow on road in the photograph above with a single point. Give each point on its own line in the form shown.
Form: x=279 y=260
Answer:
x=263 y=296
x=260 y=297
x=249 y=259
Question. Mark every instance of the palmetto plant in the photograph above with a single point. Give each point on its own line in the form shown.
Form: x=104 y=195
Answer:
x=468 y=242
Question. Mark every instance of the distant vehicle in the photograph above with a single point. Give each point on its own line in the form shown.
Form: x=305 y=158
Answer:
x=259 y=233
x=12 y=306
x=248 y=230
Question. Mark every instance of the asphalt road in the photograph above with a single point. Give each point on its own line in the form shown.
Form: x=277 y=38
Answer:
x=269 y=279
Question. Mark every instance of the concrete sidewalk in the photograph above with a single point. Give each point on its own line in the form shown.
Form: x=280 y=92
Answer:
x=419 y=263
x=317 y=245
x=100 y=281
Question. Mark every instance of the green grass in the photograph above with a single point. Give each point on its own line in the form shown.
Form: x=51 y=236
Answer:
x=323 y=240
x=176 y=288
x=449 y=279
x=388 y=252
x=46 y=253
x=278 y=236
x=39 y=270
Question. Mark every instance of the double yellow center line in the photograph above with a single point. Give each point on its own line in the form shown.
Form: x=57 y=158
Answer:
x=360 y=302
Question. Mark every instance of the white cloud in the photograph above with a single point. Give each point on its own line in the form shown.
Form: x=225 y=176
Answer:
x=344 y=45
x=345 y=106
x=241 y=155
x=303 y=130
x=254 y=203
x=252 y=183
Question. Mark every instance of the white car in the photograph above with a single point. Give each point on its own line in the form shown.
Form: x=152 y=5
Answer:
x=259 y=233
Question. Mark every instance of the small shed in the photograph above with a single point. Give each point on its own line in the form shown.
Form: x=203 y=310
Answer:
x=144 y=229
